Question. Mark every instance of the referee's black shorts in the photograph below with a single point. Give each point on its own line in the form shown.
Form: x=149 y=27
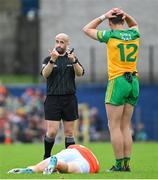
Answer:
x=63 y=107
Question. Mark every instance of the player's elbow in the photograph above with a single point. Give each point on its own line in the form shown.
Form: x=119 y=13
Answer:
x=90 y=32
x=85 y=29
x=134 y=24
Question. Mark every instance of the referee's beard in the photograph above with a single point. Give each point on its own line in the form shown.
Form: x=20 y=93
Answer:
x=60 y=50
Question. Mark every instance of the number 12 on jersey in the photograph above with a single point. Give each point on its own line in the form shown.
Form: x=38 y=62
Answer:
x=131 y=56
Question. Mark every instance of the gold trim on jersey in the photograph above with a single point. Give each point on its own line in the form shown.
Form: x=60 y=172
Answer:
x=110 y=89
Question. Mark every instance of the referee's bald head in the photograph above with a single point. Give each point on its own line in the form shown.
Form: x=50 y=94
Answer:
x=63 y=36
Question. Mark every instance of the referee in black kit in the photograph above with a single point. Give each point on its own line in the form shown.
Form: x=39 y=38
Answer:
x=59 y=69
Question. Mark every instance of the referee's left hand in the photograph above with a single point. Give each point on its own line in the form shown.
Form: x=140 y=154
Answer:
x=71 y=56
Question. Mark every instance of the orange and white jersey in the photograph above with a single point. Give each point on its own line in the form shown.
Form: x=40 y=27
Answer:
x=88 y=155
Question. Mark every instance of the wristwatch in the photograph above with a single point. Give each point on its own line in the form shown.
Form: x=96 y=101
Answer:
x=51 y=61
x=76 y=61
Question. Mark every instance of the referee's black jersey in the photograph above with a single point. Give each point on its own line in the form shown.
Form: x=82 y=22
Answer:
x=61 y=81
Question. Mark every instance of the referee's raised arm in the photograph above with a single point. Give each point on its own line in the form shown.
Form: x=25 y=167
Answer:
x=48 y=63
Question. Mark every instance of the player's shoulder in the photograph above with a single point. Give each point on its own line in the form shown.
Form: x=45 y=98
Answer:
x=134 y=29
x=103 y=35
x=135 y=32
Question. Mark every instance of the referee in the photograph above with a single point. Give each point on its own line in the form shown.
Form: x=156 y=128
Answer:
x=59 y=69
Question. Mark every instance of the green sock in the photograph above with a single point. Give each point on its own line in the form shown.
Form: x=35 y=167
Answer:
x=119 y=163
x=126 y=161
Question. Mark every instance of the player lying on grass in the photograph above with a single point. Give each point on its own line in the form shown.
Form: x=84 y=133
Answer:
x=74 y=159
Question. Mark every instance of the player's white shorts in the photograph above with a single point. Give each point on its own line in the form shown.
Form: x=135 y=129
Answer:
x=69 y=155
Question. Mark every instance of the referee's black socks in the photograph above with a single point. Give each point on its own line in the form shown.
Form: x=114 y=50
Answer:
x=69 y=141
x=48 y=144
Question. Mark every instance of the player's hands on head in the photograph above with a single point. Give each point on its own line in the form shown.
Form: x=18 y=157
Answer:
x=109 y=15
x=117 y=11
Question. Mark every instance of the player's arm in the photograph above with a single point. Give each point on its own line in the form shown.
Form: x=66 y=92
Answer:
x=90 y=28
x=131 y=22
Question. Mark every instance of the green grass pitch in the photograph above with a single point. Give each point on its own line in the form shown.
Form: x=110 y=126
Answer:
x=144 y=162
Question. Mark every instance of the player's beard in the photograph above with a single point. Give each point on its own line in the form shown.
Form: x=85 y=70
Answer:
x=60 y=50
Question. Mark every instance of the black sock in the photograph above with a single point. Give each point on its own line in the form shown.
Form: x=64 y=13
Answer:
x=69 y=141
x=48 y=144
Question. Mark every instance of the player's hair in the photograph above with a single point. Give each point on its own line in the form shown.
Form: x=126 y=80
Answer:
x=118 y=19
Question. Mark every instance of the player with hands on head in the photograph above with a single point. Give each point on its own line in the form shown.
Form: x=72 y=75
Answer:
x=123 y=85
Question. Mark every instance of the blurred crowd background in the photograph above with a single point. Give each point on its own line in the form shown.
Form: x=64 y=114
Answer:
x=27 y=31
x=22 y=120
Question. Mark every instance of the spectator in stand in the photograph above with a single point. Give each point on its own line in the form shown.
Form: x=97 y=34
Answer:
x=97 y=132
x=3 y=95
x=140 y=134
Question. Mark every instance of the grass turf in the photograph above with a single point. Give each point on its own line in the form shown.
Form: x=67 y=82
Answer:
x=144 y=162
x=17 y=79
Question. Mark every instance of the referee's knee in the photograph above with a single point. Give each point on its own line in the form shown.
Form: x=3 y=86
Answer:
x=51 y=134
x=68 y=133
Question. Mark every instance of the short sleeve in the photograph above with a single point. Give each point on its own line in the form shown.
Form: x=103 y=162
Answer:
x=44 y=63
x=103 y=36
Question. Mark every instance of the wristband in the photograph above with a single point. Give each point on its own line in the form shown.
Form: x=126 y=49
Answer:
x=102 y=17
x=76 y=61
x=51 y=61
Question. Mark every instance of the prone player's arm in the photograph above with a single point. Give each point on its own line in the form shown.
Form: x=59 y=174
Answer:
x=39 y=167
x=61 y=166
x=69 y=167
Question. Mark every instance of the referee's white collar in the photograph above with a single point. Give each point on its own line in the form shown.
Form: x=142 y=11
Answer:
x=63 y=54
